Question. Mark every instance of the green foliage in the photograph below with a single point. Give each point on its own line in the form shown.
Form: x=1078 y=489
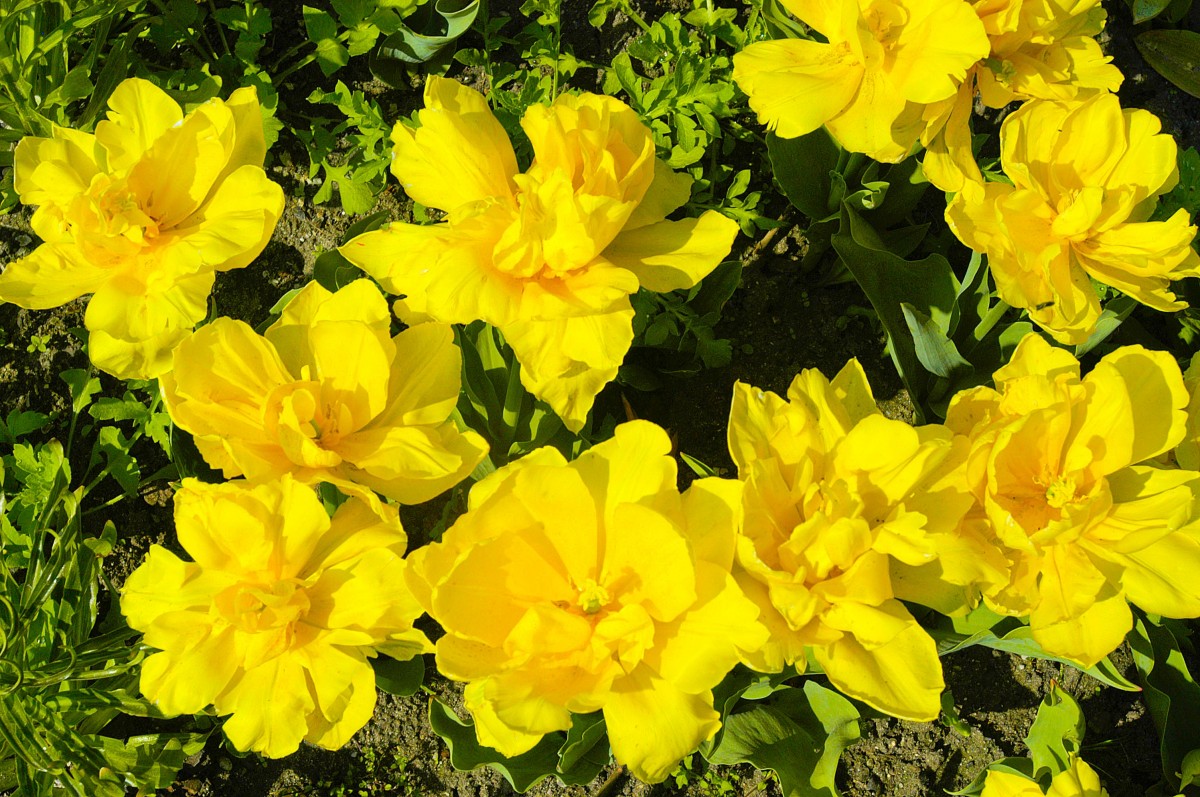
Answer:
x=1056 y=734
x=797 y=733
x=1174 y=54
x=67 y=663
x=674 y=333
x=395 y=677
x=495 y=404
x=575 y=757
x=819 y=178
x=422 y=38
x=1009 y=634
x=359 y=144
x=1171 y=693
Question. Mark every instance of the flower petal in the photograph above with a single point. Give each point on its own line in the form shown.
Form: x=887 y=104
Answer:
x=795 y=86
x=671 y=255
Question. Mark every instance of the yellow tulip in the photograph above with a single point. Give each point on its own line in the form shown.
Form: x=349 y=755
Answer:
x=1054 y=463
x=884 y=62
x=142 y=215
x=328 y=395
x=1040 y=49
x=1078 y=780
x=591 y=586
x=274 y=619
x=551 y=255
x=1085 y=176
x=834 y=494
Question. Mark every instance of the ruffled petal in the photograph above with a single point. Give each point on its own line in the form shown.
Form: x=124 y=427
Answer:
x=795 y=86
x=671 y=255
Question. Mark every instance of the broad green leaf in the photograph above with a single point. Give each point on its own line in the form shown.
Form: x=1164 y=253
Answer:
x=586 y=748
x=891 y=281
x=1146 y=10
x=331 y=54
x=114 y=448
x=18 y=424
x=1056 y=734
x=797 y=733
x=1172 y=694
x=1174 y=54
x=936 y=353
x=416 y=46
x=395 y=677
x=803 y=168
x=521 y=772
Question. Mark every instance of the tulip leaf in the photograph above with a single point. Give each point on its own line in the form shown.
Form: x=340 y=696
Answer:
x=583 y=748
x=397 y=677
x=936 y=352
x=521 y=772
x=1172 y=695
x=797 y=733
x=890 y=281
x=1174 y=54
x=407 y=46
x=1056 y=733
x=805 y=168
x=984 y=627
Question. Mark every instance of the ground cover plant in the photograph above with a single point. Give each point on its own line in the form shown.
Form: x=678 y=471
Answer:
x=682 y=397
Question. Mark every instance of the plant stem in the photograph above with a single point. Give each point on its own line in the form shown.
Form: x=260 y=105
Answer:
x=635 y=16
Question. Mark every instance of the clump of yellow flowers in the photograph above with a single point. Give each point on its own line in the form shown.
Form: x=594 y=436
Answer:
x=142 y=215
x=1040 y=49
x=274 y=619
x=327 y=395
x=834 y=493
x=550 y=255
x=1085 y=178
x=876 y=83
x=1061 y=467
x=592 y=586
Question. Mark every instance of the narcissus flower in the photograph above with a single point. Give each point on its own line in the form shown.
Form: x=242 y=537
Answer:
x=549 y=256
x=1077 y=780
x=1040 y=49
x=142 y=215
x=883 y=63
x=834 y=493
x=1085 y=178
x=1054 y=463
x=274 y=620
x=591 y=586
x=328 y=395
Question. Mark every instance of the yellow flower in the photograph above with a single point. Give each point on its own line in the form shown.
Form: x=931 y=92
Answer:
x=549 y=256
x=141 y=215
x=1078 y=780
x=1085 y=177
x=274 y=620
x=884 y=62
x=1054 y=464
x=328 y=395
x=591 y=586
x=834 y=493
x=1040 y=49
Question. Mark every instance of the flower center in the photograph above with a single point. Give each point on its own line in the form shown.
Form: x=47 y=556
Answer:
x=108 y=219
x=1061 y=492
x=883 y=22
x=254 y=608
x=593 y=597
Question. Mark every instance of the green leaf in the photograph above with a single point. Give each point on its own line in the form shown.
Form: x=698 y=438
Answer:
x=799 y=734
x=1146 y=10
x=583 y=750
x=396 y=677
x=522 y=772
x=803 y=168
x=82 y=385
x=1174 y=54
x=936 y=353
x=890 y=281
x=1056 y=734
x=1172 y=696
x=408 y=46
x=333 y=271
x=19 y=424
x=113 y=446
x=983 y=627
x=331 y=54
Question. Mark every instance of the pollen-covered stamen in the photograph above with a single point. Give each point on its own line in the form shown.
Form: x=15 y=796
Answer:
x=593 y=597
